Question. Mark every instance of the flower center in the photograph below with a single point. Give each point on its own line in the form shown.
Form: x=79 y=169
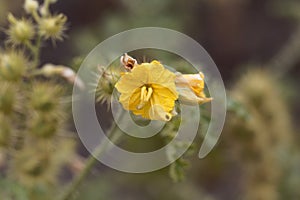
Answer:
x=146 y=93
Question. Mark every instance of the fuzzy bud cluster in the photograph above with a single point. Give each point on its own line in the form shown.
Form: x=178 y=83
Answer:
x=20 y=30
x=12 y=65
x=52 y=26
x=31 y=111
x=46 y=119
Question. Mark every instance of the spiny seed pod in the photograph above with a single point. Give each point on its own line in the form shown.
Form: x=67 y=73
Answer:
x=20 y=31
x=39 y=162
x=106 y=84
x=31 y=165
x=35 y=167
x=44 y=126
x=45 y=97
x=53 y=27
x=12 y=65
x=259 y=141
x=5 y=130
x=7 y=98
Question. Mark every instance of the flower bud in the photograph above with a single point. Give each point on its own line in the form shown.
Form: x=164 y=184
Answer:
x=191 y=88
x=20 y=31
x=31 y=6
x=63 y=71
x=128 y=62
x=12 y=65
x=106 y=84
x=53 y=27
x=44 y=10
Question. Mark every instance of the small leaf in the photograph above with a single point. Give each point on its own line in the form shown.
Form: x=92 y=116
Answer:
x=177 y=170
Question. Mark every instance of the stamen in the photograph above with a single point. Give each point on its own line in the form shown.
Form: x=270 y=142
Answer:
x=143 y=93
x=145 y=96
x=149 y=93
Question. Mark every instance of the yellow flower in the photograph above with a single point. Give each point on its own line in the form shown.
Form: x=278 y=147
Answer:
x=191 y=88
x=148 y=90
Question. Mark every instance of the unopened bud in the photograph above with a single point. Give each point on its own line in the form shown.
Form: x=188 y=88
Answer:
x=63 y=71
x=106 y=83
x=191 y=88
x=31 y=6
x=44 y=11
x=128 y=62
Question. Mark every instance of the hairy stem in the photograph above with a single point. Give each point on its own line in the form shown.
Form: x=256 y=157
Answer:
x=36 y=54
x=35 y=51
x=36 y=16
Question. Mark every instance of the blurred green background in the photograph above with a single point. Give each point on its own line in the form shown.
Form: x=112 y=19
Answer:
x=256 y=46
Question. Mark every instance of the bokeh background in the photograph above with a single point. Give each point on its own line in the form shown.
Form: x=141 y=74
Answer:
x=255 y=44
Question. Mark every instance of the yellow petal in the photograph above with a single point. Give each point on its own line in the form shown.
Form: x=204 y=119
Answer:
x=164 y=97
x=157 y=112
x=129 y=83
x=187 y=96
x=194 y=81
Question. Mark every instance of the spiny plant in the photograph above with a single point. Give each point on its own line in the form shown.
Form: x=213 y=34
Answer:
x=32 y=108
x=260 y=141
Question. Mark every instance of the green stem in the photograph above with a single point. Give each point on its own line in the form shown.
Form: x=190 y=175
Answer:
x=35 y=50
x=36 y=16
x=91 y=161
x=36 y=54
x=30 y=46
x=46 y=6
